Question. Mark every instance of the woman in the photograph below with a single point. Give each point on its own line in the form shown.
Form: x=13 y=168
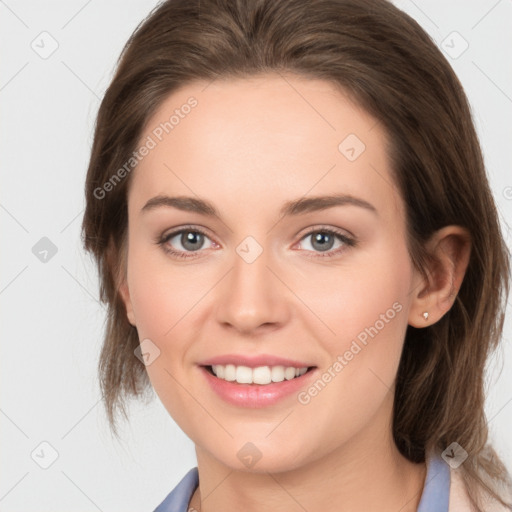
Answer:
x=301 y=255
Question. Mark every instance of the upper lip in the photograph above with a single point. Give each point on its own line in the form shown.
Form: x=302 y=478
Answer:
x=254 y=361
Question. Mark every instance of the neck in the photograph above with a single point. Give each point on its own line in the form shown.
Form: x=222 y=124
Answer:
x=360 y=475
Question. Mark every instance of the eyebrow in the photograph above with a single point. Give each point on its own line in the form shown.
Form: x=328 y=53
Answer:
x=290 y=208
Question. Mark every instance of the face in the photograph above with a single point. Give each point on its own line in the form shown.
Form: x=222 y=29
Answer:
x=325 y=284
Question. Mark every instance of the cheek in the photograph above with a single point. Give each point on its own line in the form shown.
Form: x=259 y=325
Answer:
x=161 y=301
x=367 y=308
x=369 y=290
x=161 y=292
x=153 y=303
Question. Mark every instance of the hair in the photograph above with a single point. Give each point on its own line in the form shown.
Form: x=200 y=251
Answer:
x=388 y=65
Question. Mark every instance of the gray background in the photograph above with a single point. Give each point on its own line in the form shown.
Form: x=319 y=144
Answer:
x=51 y=320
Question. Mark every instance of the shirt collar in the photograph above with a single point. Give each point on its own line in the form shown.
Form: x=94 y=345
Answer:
x=436 y=490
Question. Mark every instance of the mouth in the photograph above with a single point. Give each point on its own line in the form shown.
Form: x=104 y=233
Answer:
x=259 y=386
x=259 y=376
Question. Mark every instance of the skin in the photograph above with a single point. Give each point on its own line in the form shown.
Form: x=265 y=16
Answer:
x=261 y=142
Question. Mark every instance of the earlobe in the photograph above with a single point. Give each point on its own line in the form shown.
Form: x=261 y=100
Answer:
x=450 y=248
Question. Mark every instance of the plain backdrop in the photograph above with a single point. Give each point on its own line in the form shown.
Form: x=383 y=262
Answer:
x=57 y=60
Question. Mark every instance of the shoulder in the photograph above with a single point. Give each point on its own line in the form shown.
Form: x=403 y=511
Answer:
x=460 y=501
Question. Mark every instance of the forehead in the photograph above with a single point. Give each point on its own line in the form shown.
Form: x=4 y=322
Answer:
x=272 y=136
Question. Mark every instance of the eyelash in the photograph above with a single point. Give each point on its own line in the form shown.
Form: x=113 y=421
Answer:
x=162 y=241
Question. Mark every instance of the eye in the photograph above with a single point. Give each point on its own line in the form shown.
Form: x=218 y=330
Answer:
x=322 y=240
x=191 y=240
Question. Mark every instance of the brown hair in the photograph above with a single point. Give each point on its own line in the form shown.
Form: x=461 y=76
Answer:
x=386 y=62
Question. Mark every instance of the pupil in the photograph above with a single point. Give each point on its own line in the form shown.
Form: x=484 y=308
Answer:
x=190 y=238
x=321 y=238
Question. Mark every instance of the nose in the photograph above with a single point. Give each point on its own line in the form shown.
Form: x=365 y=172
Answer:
x=252 y=298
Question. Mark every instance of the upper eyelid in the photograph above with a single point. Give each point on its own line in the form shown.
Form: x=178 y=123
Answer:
x=177 y=231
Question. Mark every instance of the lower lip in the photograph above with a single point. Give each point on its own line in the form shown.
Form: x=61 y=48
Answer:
x=255 y=395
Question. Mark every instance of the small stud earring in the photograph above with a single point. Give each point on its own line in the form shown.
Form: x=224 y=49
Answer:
x=425 y=315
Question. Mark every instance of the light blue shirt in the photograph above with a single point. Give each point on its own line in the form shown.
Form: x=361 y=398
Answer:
x=435 y=496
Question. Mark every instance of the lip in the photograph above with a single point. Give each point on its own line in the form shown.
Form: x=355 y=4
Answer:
x=254 y=361
x=256 y=395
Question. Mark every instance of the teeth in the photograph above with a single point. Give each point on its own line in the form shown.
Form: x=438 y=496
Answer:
x=260 y=375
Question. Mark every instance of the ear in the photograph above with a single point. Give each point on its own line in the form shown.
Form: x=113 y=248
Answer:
x=450 y=248
x=118 y=264
x=124 y=292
